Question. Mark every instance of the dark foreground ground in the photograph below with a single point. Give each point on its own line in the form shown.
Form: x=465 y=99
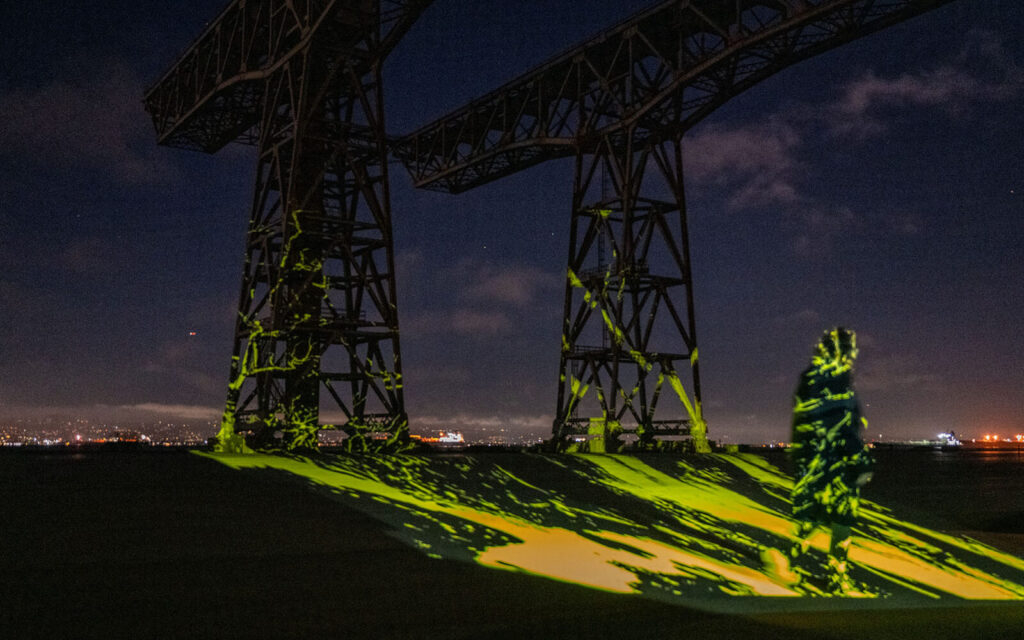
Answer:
x=171 y=545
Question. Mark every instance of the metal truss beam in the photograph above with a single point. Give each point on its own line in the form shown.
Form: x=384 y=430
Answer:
x=621 y=103
x=649 y=78
x=317 y=326
x=213 y=94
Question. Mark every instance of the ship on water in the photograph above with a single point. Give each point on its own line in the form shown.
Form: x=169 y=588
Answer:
x=946 y=441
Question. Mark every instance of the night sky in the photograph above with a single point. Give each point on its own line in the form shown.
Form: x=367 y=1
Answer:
x=879 y=186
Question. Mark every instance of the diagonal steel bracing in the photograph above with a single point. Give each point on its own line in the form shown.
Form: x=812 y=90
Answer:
x=300 y=79
x=628 y=341
x=317 y=323
x=620 y=104
x=655 y=75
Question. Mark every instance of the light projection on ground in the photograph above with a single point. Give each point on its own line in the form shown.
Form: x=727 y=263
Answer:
x=657 y=525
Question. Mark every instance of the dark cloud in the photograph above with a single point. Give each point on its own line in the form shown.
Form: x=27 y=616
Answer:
x=489 y=299
x=94 y=122
x=758 y=163
x=896 y=372
x=982 y=72
x=465 y=322
x=513 y=285
x=90 y=255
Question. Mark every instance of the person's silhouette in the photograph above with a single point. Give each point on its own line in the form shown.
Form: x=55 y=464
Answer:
x=832 y=463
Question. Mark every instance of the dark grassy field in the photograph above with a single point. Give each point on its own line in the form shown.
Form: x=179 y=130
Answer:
x=170 y=545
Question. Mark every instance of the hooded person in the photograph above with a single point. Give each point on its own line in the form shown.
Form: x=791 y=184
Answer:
x=832 y=463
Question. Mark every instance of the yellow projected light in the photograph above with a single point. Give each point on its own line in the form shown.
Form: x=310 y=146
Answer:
x=657 y=525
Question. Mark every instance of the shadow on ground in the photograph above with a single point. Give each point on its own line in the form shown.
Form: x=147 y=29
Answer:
x=681 y=530
x=175 y=545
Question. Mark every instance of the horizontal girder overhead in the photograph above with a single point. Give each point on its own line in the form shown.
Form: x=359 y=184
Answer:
x=212 y=94
x=656 y=75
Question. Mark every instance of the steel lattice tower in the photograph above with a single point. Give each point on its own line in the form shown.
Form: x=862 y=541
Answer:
x=620 y=105
x=628 y=318
x=317 y=317
x=318 y=323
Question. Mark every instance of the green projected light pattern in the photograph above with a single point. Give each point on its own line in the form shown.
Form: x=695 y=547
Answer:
x=605 y=429
x=300 y=273
x=657 y=525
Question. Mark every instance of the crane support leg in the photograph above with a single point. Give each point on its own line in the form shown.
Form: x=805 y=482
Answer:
x=629 y=348
x=317 y=324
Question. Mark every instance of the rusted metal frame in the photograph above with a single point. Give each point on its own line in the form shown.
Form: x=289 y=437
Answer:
x=559 y=61
x=249 y=307
x=269 y=178
x=480 y=127
x=568 y=341
x=648 y=330
x=671 y=245
x=627 y=189
x=348 y=209
x=278 y=172
x=358 y=270
x=512 y=117
x=650 y=82
x=364 y=373
x=686 y=329
x=202 y=83
x=577 y=257
x=608 y=78
x=489 y=130
x=348 y=199
x=637 y=392
x=577 y=324
x=648 y=227
x=596 y=364
x=859 y=15
x=597 y=90
x=779 y=14
x=701 y=37
x=627 y=168
x=338 y=400
x=562 y=105
x=672 y=169
x=299 y=16
x=395 y=23
x=687 y=79
x=390 y=312
x=811 y=44
x=731 y=77
x=230 y=44
x=652 y=404
x=389 y=393
x=632 y=327
x=473 y=132
x=363 y=378
x=633 y=330
x=709 y=64
x=301 y=188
